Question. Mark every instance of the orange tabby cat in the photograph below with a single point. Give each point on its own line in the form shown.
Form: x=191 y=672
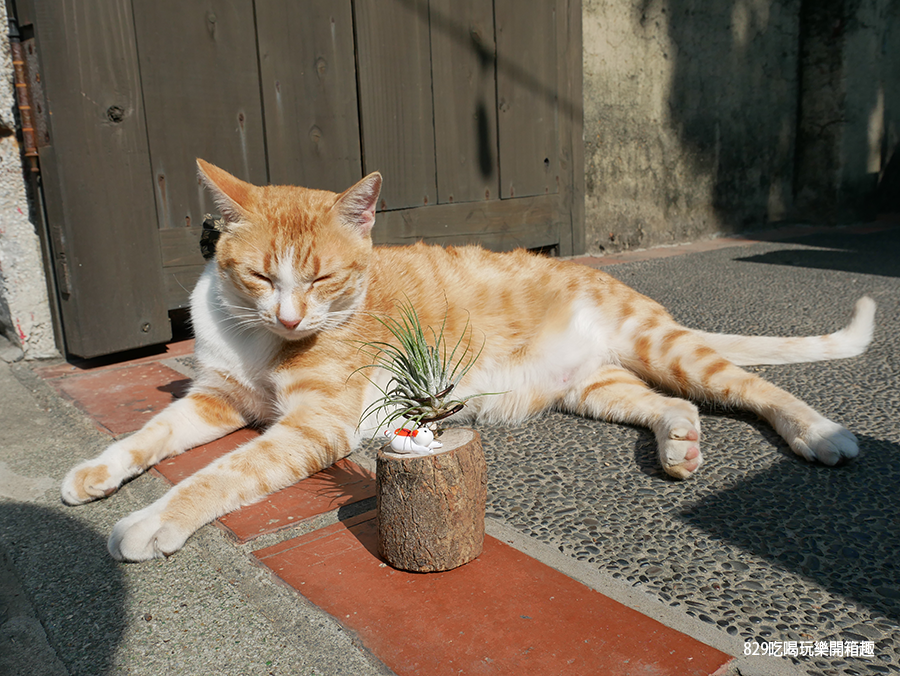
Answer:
x=296 y=283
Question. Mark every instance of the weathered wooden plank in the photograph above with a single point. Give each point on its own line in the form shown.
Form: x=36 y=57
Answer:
x=180 y=246
x=527 y=96
x=465 y=108
x=201 y=89
x=308 y=74
x=528 y=222
x=96 y=174
x=396 y=111
x=497 y=221
x=544 y=237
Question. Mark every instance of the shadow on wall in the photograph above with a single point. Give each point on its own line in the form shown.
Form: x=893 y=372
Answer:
x=733 y=101
x=77 y=590
x=782 y=104
x=834 y=526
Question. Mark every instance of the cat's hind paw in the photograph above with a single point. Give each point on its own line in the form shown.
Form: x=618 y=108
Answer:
x=88 y=481
x=826 y=442
x=144 y=535
x=679 y=449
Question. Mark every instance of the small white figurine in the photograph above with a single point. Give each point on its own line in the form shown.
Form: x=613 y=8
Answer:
x=419 y=441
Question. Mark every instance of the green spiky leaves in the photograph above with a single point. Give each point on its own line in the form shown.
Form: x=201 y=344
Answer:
x=424 y=373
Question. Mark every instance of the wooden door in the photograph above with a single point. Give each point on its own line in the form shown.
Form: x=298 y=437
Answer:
x=469 y=108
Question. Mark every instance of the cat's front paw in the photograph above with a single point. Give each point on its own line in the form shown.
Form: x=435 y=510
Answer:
x=826 y=442
x=88 y=481
x=144 y=535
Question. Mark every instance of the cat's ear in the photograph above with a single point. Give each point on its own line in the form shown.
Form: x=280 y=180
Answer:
x=356 y=206
x=231 y=195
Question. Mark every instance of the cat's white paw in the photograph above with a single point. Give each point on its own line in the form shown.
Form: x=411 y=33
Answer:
x=144 y=535
x=88 y=481
x=679 y=448
x=826 y=442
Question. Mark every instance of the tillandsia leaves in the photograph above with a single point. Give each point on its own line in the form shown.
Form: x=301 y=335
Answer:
x=423 y=374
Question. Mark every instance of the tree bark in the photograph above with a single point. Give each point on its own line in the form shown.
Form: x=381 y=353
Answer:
x=431 y=507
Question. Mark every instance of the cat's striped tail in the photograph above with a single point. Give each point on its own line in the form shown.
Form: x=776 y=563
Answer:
x=850 y=341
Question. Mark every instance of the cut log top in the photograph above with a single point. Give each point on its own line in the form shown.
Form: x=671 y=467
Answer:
x=451 y=439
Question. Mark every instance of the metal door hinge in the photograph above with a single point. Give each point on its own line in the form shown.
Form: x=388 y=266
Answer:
x=29 y=94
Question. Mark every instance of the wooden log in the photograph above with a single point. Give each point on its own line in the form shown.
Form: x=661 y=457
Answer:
x=431 y=507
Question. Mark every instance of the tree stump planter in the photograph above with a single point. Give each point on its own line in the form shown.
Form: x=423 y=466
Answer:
x=431 y=507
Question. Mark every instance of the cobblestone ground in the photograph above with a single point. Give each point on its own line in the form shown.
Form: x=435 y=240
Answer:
x=760 y=543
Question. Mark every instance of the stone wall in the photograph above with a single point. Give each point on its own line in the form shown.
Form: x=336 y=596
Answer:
x=25 y=319
x=719 y=116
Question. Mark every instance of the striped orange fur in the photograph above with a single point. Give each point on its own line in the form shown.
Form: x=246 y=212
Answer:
x=296 y=285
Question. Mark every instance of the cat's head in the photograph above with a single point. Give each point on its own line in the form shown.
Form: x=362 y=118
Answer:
x=290 y=259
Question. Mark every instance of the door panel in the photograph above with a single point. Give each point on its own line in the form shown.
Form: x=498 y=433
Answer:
x=396 y=113
x=201 y=92
x=527 y=97
x=465 y=114
x=96 y=170
x=308 y=74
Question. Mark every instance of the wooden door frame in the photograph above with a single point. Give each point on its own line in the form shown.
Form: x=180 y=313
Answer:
x=95 y=163
x=101 y=212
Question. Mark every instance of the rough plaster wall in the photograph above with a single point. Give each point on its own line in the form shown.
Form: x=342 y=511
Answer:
x=889 y=185
x=822 y=93
x=871 y=68
x=850 y=107
x=24 y=309
x=690 y=112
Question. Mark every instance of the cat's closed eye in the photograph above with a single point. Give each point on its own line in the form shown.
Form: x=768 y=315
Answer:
x=261 y=277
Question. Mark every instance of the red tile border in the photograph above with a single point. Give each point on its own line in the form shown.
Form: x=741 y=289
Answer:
x=342 y=484
x=121 y=400
x=503 y=613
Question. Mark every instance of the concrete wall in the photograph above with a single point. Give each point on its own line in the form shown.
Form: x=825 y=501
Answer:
x=849 y=106
x=25 y=320
x=871 y=65
x=720 y=116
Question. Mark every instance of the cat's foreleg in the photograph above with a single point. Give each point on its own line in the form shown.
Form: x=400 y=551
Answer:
x=283 y=455
x=617 y=395
x=196 y=419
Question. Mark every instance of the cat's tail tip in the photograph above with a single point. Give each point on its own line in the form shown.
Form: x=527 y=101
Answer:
x=857 y=335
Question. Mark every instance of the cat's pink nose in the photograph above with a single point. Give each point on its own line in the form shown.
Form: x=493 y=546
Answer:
x=289 y=323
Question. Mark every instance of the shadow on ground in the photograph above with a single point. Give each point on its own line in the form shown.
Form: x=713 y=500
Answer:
x=834 y=526
x=871 y=254
x=76 y=589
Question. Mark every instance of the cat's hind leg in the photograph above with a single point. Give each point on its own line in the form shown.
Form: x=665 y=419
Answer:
x=680 y=360
x=198 y=418
x=617 y=395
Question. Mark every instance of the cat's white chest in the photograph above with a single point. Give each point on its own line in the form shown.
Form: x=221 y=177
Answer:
x=232 y=348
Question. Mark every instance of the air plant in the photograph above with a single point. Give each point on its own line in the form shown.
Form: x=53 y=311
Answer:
x=424 y=373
